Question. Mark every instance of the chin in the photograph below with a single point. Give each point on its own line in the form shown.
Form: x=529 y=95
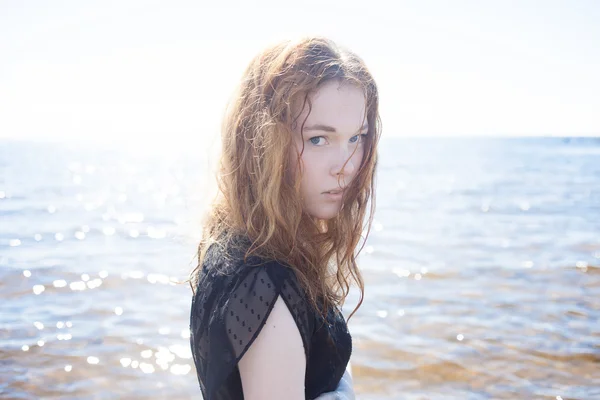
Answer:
x=325 y=214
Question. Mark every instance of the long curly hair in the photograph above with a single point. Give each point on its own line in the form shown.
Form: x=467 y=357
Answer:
x=258 y=196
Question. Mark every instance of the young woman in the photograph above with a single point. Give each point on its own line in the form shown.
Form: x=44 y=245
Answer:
x=279 y=245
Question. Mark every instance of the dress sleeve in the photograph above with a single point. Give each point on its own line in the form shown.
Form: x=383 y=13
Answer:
x=241 y=310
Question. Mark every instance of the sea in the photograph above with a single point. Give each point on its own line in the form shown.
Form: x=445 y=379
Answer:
x=481 y=269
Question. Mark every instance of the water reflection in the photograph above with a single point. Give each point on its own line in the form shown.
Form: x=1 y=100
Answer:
x=38 y=289
x=472 y=287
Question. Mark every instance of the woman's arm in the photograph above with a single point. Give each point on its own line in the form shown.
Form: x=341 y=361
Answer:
x=274 y=366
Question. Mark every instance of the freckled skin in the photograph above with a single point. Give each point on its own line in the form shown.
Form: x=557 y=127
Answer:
x=342 y=107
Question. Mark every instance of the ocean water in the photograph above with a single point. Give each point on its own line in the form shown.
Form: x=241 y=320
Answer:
x=482 y=271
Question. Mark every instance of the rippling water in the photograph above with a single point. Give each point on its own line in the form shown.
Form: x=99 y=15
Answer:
x=482 y=271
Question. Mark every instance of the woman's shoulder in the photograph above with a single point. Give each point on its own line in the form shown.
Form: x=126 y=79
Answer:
x=228 y=262
x=235 y=296
x=227 y=273
x=233 y=300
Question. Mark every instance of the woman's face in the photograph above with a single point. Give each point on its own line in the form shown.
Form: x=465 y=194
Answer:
x=333 y=138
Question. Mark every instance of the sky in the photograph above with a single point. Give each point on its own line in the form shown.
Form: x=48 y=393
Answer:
x=162 y=72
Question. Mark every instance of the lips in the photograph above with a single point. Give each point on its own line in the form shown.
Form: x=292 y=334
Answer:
x=336 y=191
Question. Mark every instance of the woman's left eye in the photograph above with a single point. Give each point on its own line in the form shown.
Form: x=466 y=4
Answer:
x=362 y=137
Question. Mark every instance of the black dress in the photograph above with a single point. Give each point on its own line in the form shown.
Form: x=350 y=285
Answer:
x=232 y=302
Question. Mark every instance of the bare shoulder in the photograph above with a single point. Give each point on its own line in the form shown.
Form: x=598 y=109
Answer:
x=274 y=365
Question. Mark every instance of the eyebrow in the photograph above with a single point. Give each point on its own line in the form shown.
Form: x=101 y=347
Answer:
x=327 y=128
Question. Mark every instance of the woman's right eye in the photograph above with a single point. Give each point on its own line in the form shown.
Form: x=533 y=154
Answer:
x=317 y=140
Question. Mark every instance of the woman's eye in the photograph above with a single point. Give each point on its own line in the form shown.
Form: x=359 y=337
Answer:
x=317 y=140
x=362 y=137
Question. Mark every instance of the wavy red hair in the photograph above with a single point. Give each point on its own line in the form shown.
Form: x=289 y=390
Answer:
x=257 y=197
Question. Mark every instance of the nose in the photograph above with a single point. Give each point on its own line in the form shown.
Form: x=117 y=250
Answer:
x=344 y=163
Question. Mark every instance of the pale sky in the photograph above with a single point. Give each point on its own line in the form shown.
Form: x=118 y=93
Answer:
x=151 y=71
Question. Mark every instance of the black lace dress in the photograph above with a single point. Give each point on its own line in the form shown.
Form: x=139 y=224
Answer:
x=232 y=302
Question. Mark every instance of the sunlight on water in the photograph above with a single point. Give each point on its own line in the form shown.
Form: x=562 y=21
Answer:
x=37 y=289
x=93 y=360
x=481 y=272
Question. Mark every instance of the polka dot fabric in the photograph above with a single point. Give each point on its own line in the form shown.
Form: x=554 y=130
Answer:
x=231 y=304
x=252 y=300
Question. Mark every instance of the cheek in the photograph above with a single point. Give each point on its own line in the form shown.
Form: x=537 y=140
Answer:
x=312 y=174
x=314 y=166
x=357 y=158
